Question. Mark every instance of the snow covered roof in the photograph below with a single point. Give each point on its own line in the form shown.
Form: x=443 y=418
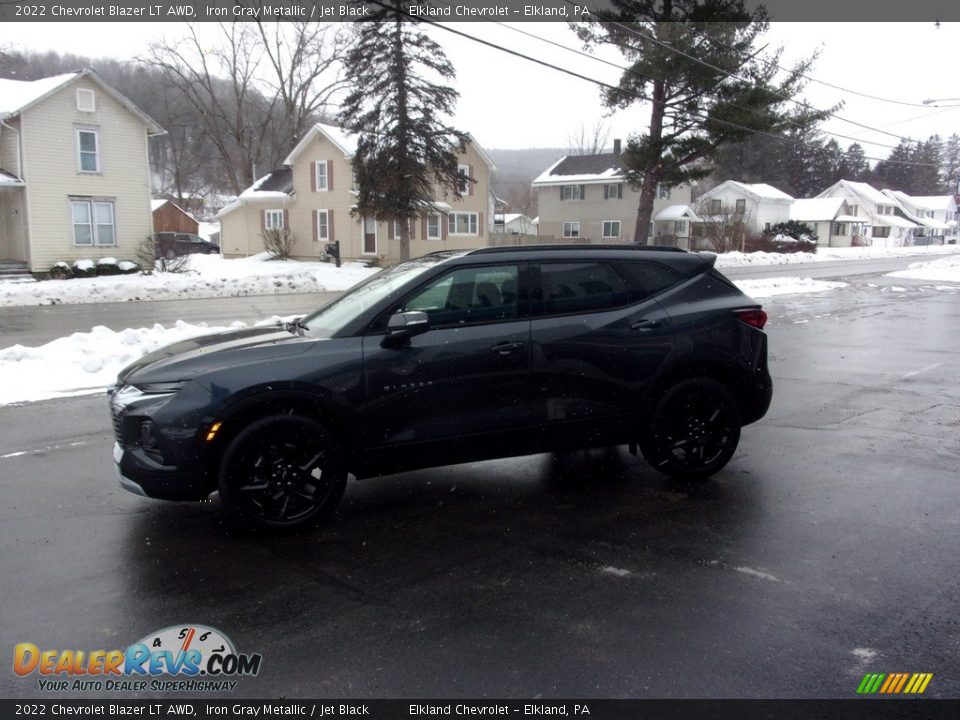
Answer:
x=676 y=212
x=17 y=95
x=894 y=220
x=762 y=190
x=815 y=209
x=276 y=185
x=603 y=167
x=157 y=204
x=850 y=218
x=934 y=202
x=867 y=191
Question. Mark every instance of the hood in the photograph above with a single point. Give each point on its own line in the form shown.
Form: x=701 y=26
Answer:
x=189 y=358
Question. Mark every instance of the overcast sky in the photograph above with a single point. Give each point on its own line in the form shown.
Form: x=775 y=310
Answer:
x=508 y=102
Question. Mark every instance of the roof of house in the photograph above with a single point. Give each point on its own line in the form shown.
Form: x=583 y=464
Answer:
x=347 y=143
x=760 y=190
x=815 y=209
x=602 y=167
x=18 y=95
x=933 y=202
x=676 y=212
x=158 y=203
x=277 y=185
x=864 y=190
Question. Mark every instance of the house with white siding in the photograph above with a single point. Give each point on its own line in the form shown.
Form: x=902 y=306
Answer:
x=314 y=195
x=74 y=171
x=757 y=205
x=882 y=226
x=830 y=219
x=934 y=214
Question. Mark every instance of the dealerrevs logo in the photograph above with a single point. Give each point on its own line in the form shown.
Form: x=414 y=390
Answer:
x=197 y=657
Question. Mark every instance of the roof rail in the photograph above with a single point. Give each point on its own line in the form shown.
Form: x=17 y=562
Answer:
x=575 y=248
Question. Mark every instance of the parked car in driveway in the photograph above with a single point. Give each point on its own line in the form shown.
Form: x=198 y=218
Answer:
x=452 y=357
x=171 y=244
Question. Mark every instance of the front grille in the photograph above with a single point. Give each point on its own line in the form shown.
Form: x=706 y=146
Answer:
x=117 y=426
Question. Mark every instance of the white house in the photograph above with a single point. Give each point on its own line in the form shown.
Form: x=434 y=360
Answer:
x=676 y=221
x=935 y=214
x=757 y=205
x=830 y=219
x=884 y=228
x=513 y=224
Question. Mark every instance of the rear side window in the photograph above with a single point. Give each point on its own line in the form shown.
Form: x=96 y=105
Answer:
x=647 y=278
x=567 y=288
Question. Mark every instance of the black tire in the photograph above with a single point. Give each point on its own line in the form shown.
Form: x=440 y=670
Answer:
x=694 y=429
x=282 y=473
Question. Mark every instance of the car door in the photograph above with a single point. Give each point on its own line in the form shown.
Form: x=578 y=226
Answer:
x=467 y=376
x=598 y=336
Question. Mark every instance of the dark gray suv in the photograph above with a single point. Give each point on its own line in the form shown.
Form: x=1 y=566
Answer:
x=452 y=357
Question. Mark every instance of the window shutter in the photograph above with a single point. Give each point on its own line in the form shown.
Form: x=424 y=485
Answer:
x=286 y=219
x=263 y=219
x=606 y=192
x=316 y=225
x=469 y=179
x=412 y=223
x=390 y=229
x=424 y=228
x=330 y=175
x=480 y=224
x=313 y=177
x=330 y=225
x=444 y=226
x=561 y=192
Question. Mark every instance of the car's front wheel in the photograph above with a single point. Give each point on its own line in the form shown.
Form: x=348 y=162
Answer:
x=694 y=429
x=282 y=472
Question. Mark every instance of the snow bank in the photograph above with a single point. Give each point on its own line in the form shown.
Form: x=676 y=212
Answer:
x=768 y=287
x=739 y=259
x=942 y=270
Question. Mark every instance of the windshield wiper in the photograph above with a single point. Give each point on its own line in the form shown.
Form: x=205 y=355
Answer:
x=295 y=326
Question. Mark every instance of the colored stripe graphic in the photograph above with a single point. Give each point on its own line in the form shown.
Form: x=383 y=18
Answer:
x=894 y=683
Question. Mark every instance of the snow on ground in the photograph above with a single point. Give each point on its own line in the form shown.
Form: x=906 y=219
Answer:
x=768 y=287
x=207 y=276
x=943 y=270
x=739 y=259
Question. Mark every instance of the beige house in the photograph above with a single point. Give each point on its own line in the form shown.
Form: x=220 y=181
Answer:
x=74 y=171
x=314 y=196
x=586 y=198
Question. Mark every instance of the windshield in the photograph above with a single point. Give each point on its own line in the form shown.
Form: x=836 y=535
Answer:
x=336 y=315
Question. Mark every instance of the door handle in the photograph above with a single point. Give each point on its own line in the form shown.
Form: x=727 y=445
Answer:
x=646 y=324
x=505 y=348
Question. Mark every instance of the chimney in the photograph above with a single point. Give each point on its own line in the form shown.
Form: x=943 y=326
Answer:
x=616 y=147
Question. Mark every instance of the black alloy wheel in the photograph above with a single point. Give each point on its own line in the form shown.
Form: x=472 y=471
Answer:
x=694 y=430
x=283 y=472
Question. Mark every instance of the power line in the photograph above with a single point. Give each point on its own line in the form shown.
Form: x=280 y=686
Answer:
x=603 y=84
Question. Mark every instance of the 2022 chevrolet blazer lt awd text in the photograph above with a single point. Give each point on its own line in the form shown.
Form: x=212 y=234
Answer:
x=449 y=358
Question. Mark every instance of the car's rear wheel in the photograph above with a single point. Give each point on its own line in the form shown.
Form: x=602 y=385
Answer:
x=283 y=472
x=694 y=429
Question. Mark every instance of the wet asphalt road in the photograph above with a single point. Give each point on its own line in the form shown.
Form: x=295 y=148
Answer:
x=825 y=550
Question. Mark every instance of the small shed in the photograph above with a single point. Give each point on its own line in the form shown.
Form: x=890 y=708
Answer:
x=170 y=217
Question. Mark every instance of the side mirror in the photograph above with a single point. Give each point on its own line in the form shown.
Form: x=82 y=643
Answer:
x=404 y=325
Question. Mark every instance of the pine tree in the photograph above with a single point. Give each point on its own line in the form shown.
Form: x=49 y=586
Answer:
x=695 y=63
x=895 y=173
x=855 y=166
x=950 y=166
x=399 y=98
x=925 y=175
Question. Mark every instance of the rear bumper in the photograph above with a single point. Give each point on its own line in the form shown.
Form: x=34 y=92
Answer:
x=141 y=476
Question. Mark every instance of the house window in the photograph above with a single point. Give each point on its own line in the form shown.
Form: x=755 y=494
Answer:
x=321 y=166
x=323 y=225
x=881 y=232
x=86 y=101
x=839 y=229
x=573 y=192
x=571 y=229
x=715 y=207
x=611 y=228
x=663 y=192
x=93 y=222
x=613 y=191
x=463 y=182
x=433 y=227
x=741 y=206
x=273 y=219
x=88 y=151
x=679 y=227
x=462 y=223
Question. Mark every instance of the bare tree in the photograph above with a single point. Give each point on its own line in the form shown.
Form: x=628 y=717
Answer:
x=588 y=141
x=254 y=89
x=725 y=227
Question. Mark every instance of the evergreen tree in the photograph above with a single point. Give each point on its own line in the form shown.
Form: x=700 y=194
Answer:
x=854 y=164
x=895 y=173
x=950 y=166
x=696 y=64
x=925 y=175
x=397 y=105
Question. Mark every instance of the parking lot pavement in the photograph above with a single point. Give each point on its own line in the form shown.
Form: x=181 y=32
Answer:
x=825 y=550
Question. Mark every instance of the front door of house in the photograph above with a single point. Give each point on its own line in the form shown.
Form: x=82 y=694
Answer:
x=369 y=235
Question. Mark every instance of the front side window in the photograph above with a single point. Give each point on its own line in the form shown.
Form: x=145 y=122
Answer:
x=273 y=219
x=611 y=228
x=741 y=206
x=93 y=222
x=571 y=229
x=573 y=192
x=715 y=207
x=88 y=151
x=613 y=191
x=462 y=224
x=433 y=226
x=322 y=179
x=468 y=295
x=580 y=287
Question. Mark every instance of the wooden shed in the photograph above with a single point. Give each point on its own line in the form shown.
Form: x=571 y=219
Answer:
x=170 y=217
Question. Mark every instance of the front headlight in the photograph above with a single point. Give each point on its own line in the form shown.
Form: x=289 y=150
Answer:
x=162 y=388
x=129 y=394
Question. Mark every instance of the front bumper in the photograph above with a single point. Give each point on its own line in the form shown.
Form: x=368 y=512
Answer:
x=141 y=476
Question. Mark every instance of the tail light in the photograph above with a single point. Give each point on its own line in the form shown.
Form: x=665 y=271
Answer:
x=755 y=317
